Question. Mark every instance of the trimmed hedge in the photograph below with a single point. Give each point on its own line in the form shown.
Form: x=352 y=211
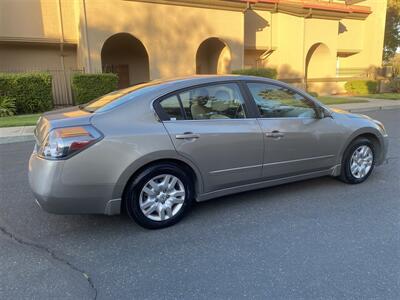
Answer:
x=32 y=91
x=394 y=85
x=361 y=87
x=87 y=87
x=261 y=72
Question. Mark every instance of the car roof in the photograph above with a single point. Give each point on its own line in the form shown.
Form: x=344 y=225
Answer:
x=160 y=87
x=200 y=79
x=177 y=83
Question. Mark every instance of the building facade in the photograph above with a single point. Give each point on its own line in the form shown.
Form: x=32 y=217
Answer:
x=318 y=43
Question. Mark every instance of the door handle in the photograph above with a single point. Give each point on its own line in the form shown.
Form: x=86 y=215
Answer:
x=187 y=135
x=274 y=134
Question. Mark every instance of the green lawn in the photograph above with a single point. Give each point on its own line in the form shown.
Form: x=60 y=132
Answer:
x=21 y=120
x=339 y=100
x=385 y=96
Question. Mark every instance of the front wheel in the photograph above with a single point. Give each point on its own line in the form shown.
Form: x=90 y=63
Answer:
x=159 y=196
x=358 y=161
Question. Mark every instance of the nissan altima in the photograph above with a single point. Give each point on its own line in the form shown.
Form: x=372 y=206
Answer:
x=153 y=149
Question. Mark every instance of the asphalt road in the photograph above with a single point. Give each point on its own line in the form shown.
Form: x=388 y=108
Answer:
x=317 y=239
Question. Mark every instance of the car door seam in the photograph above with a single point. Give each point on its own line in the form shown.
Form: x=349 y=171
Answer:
x=264 y=140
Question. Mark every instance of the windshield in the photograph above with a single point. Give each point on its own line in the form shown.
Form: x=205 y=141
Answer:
x=118 y=97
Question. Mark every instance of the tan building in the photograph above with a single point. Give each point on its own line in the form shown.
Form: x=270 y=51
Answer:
x=321 y=42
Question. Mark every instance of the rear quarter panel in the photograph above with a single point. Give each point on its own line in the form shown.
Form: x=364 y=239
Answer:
x=131 y=132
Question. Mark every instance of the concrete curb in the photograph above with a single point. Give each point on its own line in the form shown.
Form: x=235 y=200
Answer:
x=16 y=139
x=16 y=131
x=16 y=134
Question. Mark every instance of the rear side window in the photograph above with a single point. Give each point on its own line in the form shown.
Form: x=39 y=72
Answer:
x=172 y=108
x=116 y=98
x=216 y=101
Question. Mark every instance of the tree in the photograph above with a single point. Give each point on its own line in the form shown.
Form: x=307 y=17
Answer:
x=392 y=31
x=395 y=63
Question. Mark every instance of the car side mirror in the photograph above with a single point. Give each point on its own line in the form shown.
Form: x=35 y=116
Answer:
x=322 y=112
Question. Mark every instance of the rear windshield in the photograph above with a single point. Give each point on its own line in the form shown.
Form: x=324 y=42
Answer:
x=119 y=97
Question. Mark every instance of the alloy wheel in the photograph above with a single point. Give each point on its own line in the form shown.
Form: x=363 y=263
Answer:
x=361 y=161
x=162 y=197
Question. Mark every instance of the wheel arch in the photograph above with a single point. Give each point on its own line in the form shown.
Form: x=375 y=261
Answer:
x=137 y=167
x=371 y=135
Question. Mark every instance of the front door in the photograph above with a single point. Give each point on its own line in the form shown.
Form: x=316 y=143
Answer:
x=208 y=126
x=296 y=141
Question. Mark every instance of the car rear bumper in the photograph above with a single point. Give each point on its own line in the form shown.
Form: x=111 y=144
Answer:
x=56 y=193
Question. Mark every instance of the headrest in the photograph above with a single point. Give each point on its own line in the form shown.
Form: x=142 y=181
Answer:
x=221 y=101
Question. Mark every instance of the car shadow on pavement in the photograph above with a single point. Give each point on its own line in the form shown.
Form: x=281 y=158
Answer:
x=217 y=210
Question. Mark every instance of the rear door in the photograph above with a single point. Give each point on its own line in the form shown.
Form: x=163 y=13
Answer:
x=209 y=125
x=296 y=141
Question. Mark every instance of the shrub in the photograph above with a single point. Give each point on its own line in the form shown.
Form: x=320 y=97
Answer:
x=7 y=106
x=261 y=72
x=361 y=87
x=394 y=85
x=32 y=92
x=314 y=94
x=87 y=87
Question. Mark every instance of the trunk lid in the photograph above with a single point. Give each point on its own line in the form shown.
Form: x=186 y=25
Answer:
x=67 y=117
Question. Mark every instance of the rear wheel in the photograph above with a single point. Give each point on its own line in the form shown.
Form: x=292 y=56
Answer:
x=160 y=196
x=358 y=161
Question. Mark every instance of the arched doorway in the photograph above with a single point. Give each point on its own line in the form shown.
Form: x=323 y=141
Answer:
x=213 y=57
x=125 y=55
x=318 y=62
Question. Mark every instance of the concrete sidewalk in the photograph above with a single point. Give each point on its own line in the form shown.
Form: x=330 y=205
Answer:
x=25 y=133
x=373 y=104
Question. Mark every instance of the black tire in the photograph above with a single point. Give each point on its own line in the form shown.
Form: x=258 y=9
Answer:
x=346 y=174
x=135 y=187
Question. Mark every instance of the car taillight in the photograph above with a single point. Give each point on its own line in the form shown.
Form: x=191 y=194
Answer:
x=61 y=143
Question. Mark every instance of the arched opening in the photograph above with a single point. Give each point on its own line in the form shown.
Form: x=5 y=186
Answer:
x=213 y=57
x=126 y=56
x=318 y=62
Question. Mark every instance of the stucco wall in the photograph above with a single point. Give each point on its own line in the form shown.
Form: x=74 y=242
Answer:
x=351 y=34
x=289 y=53
x=257 y=29
x=22 y=57
x=171 y=34
x=372 y=44
x=37 y=19
x=320 y=36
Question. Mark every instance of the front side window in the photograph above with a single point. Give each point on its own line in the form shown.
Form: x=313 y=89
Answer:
x=218 y=101
x=275 y=101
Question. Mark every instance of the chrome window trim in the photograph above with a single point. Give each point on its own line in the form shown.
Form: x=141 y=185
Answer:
x=289 y=118
x=246 y=102
x=208 y=120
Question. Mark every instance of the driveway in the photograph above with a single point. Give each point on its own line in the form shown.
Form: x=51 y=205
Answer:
x=307 y=240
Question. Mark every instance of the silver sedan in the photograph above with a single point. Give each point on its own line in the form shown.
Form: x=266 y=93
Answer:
x=153 y=149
